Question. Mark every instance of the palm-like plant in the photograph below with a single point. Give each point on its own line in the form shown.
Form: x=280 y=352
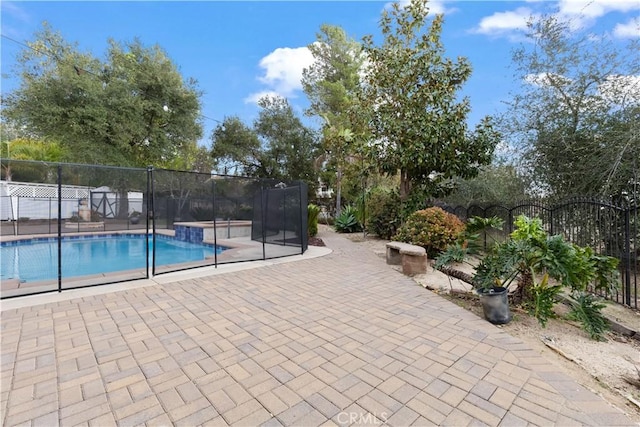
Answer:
x=538 y=265
x=531 y=258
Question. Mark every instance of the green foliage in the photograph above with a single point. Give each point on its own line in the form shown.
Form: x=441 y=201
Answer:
x=134 y=108
x=278 y=146
x=202 y=214
x=575 y=93
x=494 y=184
x=474 y=229
x=411 y=101
x=454 y=253
x=469 y=241
x=331 y=84
x=347 y=221
x=312 y=219
x=544 y=297
x=29 y=149
x=432 y=228
x=383 y=213
x=531 y=253
x=586 y=309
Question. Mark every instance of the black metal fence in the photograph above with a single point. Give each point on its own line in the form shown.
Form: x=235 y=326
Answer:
x=609 y=228
x=66 y=226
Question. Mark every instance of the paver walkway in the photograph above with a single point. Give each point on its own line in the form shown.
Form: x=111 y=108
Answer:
x=339 y=339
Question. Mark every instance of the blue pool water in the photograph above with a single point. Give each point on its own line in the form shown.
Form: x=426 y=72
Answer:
x=34 y=260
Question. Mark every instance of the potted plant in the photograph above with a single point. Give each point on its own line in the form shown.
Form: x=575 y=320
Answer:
x=134 y=217
x=540 y=266
x=493 y=294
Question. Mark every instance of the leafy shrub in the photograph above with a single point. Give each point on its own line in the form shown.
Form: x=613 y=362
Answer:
x=347 y=221
x=383 y=213
x=432 y=228
x=587 y=310
x=312 y=219
x=95 y=216
x=531 y=253
x=200 y=213
x=544 y=297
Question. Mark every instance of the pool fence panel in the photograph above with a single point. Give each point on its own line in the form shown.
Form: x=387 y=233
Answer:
x=88 y=202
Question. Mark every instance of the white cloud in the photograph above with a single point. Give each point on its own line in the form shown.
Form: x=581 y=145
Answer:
x=10 y=8
x=595 y=8
x=579 y=14
x=629 y=30
x=282 y=72
x=255 y=97
x=435 y=6
x=544 y=79
x=583 y=13
x=621 y=90
x=501 y=23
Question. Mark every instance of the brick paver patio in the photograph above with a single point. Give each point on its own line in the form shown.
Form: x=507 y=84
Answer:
x=336 y=340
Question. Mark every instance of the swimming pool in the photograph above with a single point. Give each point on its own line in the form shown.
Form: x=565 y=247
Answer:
x=37 y=259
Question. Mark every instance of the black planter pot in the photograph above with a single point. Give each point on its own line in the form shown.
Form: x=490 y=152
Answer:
x=495 y=304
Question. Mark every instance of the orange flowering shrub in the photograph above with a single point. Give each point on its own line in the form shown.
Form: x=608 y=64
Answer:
x=432 y=228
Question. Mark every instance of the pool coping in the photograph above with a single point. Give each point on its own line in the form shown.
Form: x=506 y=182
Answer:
x=176 y=276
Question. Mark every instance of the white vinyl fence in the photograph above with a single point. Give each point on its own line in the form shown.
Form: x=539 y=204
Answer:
x=40 y=201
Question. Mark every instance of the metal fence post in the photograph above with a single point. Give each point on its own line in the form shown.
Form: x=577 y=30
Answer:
x=149 y=210
x=215 y=227
x=301 y=211
x=263 y=214
x=510 y=221
x=627 y=256
x=59 y=228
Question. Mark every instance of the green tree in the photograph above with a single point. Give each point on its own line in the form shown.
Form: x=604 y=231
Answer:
x=494 y=184
x=28 y=149
x=236 y=148
x=577 y=111
x=278 y=146
x=418 y=120
x=331 y=84
x=132 y=109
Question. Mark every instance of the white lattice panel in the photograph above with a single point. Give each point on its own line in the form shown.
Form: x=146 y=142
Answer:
x=46 y=191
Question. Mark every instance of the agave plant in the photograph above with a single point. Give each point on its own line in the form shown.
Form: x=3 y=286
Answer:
x=347 y=221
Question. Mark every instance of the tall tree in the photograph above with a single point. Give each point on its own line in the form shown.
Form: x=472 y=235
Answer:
x=418 y=120
x=132 y=109
x=277 y=146
x=27 y=149
x=577 y=111
x=331 y=84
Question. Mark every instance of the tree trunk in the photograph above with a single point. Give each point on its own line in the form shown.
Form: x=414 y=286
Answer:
x=405 y=185
x=461 y=275
x=524 y=291
x=338 y=190
x=123 y=205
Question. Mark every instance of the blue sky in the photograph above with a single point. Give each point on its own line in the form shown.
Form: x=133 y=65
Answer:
x=240 y=50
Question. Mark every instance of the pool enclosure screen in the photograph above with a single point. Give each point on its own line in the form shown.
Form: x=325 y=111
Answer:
x=82 y=212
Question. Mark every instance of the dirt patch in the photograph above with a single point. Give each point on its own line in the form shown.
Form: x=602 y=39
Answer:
x=599 y=366
x=316 y=241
